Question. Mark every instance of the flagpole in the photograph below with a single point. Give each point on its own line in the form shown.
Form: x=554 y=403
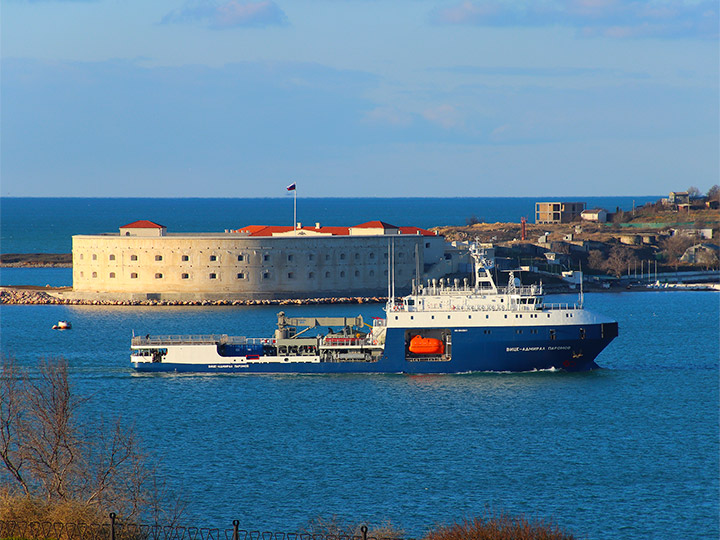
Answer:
x=295 y=210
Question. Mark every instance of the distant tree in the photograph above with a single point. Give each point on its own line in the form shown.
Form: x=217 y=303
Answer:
x=708 y=258
x=693 y=192
x=619 y=216
x=474 y=220
x=713 y=193
x=619 y=260
x=596 y=260
x=674 y=247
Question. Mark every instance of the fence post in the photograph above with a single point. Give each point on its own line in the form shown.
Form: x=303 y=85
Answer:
x=236 y=533
x=112 y=525
x=364 y=530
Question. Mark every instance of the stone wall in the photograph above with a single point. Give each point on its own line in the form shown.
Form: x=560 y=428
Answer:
x=196 y=267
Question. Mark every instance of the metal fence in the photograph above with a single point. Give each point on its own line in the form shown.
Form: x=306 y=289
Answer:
x=116 y=530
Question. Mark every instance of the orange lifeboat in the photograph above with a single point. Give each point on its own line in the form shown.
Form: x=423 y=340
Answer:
x=421 y=345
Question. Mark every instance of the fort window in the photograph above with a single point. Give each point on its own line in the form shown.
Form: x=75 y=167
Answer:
x=241 y=275
x=82 y=274
x=127 y=233
x=94 y=257
x=401 y=255
x=327 y=257
x=81 y=257
x=112 y=257
x=185 y=258
x=372 y=255
x=186 y=276
x=266 y=257
x=241 y=258
x=291 y=275
x=290 y=257
x=266 y=275
x=311 y=257
x=342 y=273
x=158 y=257
x=133 y=276
x=311 y=275
x=327 y=274
x=385 y=255
x=213 y=257
x=385 y=272
x=427 y=244
x=112 y=275
x=372 y=273
x=357 y=256
x=158 y=276
x=342 y=256
x=213 y=276
x=94 y=274
x=133 y=257
x=357 y=273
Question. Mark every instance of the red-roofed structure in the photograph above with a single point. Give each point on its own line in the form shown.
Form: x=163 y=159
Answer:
x=143 y=227
x=143 y=224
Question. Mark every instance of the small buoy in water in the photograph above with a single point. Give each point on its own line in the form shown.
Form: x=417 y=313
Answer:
x=62 y=325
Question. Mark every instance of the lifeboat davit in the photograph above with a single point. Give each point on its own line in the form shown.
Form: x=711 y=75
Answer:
x=421 y=345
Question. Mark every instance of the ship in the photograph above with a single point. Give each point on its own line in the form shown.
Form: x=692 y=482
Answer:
x=441 y=327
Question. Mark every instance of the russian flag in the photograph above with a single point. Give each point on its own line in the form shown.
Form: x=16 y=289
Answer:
x=291 y=187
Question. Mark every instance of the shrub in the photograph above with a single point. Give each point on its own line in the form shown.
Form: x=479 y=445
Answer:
x=502 y=527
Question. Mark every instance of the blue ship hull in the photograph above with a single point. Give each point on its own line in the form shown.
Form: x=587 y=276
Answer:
x=474 y=349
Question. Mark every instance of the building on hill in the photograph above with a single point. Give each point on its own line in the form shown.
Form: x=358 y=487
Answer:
x=598 y=215
x=558 y=212
x=144 y=261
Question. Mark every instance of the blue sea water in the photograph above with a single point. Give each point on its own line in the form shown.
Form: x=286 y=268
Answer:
x=627 y=451
x=46 y=225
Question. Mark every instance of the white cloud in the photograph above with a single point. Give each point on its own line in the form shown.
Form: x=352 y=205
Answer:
x=445 y=116
x=611 y=18
x=229 y=14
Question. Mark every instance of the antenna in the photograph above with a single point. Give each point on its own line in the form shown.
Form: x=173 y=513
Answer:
x=389 y=269
x=393 y=269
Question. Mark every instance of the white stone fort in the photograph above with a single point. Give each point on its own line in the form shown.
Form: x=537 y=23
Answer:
x=144 y=261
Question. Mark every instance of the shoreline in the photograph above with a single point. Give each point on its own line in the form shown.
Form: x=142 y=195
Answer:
x=32 y=295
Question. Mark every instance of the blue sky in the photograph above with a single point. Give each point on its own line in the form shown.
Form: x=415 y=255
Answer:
x=358 y=97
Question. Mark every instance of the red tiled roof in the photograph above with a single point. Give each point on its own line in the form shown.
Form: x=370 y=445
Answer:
x=143 y=224
x=375 y=225
x=269 y=230
x=416 y=230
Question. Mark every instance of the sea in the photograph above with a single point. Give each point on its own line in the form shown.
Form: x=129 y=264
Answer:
x=630 y=450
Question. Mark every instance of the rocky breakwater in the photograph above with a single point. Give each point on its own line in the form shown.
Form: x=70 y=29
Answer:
x=11 y=295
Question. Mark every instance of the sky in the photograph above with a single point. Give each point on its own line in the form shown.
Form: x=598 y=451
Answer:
x=358 y=98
